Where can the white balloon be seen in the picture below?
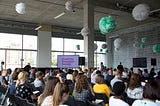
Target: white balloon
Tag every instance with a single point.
(85, 31)
(141, 12)
(95, 46)
(117, 43)
(21, 8)
(69, 6)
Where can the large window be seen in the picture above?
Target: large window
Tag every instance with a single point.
(65, 46)
(12, 46)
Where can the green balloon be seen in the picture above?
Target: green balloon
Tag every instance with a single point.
(142, 46)
(156, 48)
(78, 47)
(144, 40)
(101, 50)
(107, 24)
(107, 51)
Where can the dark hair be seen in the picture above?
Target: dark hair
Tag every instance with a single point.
(152, 90)
(145, 70)
(14, 75)
(48, 89)
(100, 79)
(119, 88)
(39, 74)
(135, 81)
(9, 71)
(98, 72)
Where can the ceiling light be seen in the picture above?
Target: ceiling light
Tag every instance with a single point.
(60, 15)
(37, 28)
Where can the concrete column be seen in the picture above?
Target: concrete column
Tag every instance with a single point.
(109, 56)
(88, 21)
(44, 49)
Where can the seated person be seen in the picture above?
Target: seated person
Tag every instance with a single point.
(101, 87)
(119, 91)
(83, 91)
(38, 82)
(23, 90)
(151, 93)
(135, 89)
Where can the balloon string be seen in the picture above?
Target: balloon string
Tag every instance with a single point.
(155, 10)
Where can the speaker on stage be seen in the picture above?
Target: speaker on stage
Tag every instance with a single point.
(153, 62)
(81, 60)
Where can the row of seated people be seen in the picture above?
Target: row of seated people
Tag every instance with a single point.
(57, 89)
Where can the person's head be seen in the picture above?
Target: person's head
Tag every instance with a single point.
(2, 63)
(48, 89)
(81, 83)
(119, 88)
(4, 72)
(151, 90)
(139, 72)
(39, 75)
(98, 72)
(135, 81)
(110, 72)
(152, 70)
(14, 76)
(60, 94)
(100, 79)
(118, 73)
(145, 71)
(9, 71)
(23, 77)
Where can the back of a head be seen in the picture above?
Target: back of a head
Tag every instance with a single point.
(59, 91)
(100, 79)
(119, 88)
(135, 81)
(118, 72)
(39, 74)
(152, 90)
(23, 76)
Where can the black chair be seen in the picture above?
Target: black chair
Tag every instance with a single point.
(81, 103)
(71, 101)
(3, 95)
(102, 96)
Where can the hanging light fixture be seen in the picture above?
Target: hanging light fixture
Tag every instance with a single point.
(20, 8)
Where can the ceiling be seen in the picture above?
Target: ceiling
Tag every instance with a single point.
(44, 11)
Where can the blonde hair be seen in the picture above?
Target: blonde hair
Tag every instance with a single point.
(59, 90)
(22, 77)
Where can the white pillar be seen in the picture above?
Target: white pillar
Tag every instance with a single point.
(88, 21)
(44, 49)
(109, 56)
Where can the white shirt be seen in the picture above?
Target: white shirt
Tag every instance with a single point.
(136, 93)
(144, 103)
(38, 83)
(48, 101)
(117, 102)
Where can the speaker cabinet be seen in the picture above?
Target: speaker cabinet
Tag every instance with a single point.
(153, 62)
(81, 60)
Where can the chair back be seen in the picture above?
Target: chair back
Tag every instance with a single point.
(102, 96)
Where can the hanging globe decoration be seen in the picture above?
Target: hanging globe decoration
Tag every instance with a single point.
(156, 48)
(20, 8)
(69, 6)
(142, 46)
(78, 47)
(107, 51)
(144, 40)
(107, 24)
(141, 12)
(85, 31)
(104, 46)
(117, 43)
(95, 46)
(101, 50)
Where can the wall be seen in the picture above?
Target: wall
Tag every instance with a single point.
(127, 51)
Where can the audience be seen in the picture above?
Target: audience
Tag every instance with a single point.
(135, 89)
(119, 91)
(151, 93)
(46, 98)
(60, 94)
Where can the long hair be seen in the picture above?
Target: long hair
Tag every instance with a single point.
(22, 77)
(59, 90)
(48, 89)
(81, 83)
(135, 81)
